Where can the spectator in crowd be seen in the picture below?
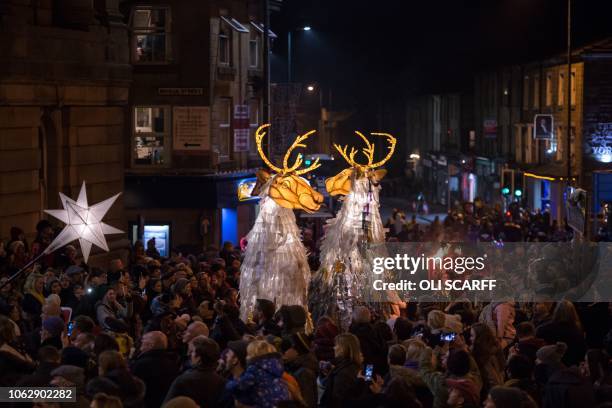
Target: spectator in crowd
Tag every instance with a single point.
(339, 378)
(201, 383)
(261, 384)
(156, 367)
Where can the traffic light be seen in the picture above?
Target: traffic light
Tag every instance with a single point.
(518, 193)
(505, 191)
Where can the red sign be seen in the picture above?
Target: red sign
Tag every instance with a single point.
(490, 128)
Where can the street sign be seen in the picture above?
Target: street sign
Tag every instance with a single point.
(543, 127)
(191, 133)
(490, 128)
(241, 128)
(180, 91)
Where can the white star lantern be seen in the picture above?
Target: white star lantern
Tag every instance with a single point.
(83, 223)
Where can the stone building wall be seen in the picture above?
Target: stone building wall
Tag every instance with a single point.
(64, 84)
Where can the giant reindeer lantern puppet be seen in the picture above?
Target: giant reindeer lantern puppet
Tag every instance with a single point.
(355, 234)
(275, 265)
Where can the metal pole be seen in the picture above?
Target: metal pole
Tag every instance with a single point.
(289, 57)
(266, 69)
(569, 90)
(19, 272)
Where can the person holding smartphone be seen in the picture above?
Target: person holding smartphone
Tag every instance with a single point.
(342, 376)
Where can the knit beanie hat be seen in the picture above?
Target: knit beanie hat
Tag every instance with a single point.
(239, 347)
(552, 354)
(70, 373)
(53, 325)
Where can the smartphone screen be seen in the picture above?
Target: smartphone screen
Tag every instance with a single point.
(369, 372)
(447, 336)
(70, 327)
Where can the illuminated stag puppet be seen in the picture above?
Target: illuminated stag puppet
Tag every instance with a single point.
(340, 283)
(275, 265)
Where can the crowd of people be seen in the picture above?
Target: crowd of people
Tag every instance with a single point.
(477, 222)
(154, 331)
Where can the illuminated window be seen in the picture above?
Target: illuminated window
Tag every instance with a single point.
(151, 35)
(151, 134)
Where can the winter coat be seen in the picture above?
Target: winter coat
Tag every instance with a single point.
(571, 335)
(104, 311)
(436, 380)
(373, 346)
(261, 384)
(202, 384)
(157, 369)
(39, 378)
(323, 342)
(304, 368)
(121, 383)
(500, 319)
(568, 389)
(12, 366)
(339, 383)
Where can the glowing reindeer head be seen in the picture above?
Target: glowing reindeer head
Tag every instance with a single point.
(288, 189)
(340, 184)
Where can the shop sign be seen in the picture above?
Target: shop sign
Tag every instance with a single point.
(599, 143)
(490, 128)
(180, 91)
(245, 188)
(190, 129)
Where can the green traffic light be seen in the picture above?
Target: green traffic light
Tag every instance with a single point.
(518, 193)
(307, 162)
(505, 191)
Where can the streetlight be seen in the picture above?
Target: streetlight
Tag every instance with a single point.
(305, 28)
(310, 88)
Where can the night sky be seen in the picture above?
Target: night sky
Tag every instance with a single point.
(381, 50)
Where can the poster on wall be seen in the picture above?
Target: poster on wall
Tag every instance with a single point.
(190, 129)
(543, 126)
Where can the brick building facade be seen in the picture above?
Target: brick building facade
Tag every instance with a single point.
(64, 84)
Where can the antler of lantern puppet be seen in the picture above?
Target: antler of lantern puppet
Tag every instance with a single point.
(367, 151)
(259, 135)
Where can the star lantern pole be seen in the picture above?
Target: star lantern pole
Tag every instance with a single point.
(83, 222)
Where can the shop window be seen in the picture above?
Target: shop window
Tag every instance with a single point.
(225, 115)
(151, 35)
(151, 133)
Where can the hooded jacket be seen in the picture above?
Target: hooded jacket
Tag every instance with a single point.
(261, 384)
(304, 368)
